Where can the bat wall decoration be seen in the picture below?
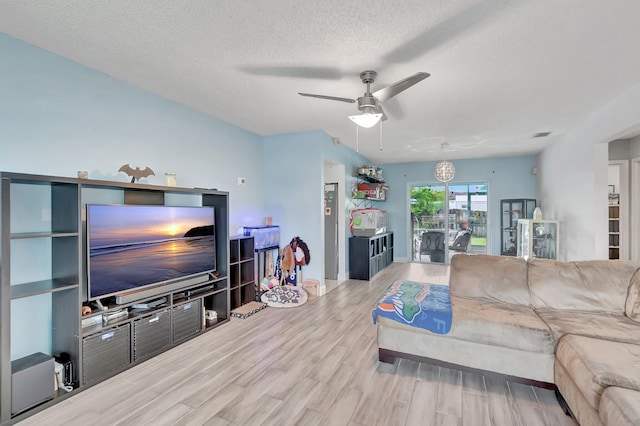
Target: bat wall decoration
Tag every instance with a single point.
(136, 173)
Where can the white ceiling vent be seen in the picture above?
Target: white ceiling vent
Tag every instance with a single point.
(541, 134)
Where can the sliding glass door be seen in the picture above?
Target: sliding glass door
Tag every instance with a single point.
(447, 219)
(428, 208)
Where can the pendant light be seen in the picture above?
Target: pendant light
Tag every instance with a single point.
(444, 171)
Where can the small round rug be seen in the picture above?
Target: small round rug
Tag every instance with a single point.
(285, 296)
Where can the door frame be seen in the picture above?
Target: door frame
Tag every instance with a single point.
(623, 190)
(410, 226)
(335, 172)
(634, 192)
(410, 241)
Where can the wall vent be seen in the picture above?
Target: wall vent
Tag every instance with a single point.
(541, 134)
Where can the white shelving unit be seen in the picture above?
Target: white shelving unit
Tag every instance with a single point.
(538, 238)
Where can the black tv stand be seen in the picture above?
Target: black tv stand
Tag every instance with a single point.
(61, 283)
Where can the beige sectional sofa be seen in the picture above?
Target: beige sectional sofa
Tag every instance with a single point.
(570, 325)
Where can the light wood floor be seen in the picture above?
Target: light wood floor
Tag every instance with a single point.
(312, 365)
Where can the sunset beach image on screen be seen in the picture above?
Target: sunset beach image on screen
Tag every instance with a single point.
(136, 246)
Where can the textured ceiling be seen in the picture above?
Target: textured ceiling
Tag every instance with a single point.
(501, 71)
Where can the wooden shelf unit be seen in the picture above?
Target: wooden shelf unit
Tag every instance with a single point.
(369, 255)
(43, 280)
(614, 231)
(242, 276)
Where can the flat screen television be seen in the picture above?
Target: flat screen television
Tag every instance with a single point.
(132, 247)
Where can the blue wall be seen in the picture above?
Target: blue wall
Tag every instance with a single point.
(506, 178)
(58, 117)
(294, 188)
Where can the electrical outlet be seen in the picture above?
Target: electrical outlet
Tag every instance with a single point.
(241, 181)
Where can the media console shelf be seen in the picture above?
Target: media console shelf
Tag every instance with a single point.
(242, 274)
(43, 283)
(369, 255)
(614, 231)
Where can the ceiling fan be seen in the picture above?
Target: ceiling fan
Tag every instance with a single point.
(370, 103)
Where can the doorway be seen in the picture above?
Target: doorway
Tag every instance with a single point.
(447, 219)
(331, 248)
(635, 207)
(334, 173)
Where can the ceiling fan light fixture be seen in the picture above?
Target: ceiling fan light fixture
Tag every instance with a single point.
(370, 103)
(366, 120)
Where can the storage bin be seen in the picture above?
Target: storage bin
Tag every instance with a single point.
(187, 319)
(264, 236)
(105, 353)
(151, 334)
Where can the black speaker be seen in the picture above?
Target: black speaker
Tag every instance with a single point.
(32, 381)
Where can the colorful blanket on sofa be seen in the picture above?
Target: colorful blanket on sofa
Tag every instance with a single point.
(421, 305)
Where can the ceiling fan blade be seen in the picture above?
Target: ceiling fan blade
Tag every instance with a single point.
(466, 21)
(399, 86)
(331, 98)
(393, 108)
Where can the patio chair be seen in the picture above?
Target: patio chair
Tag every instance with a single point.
(461, 243)
(432, 244)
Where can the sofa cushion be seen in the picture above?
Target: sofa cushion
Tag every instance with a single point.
(594, 285)
(584, 413)
(595, 364)
(632, 305)
(601, 325)
(620, 407)
(402, 338)
(498, 324)
(491, 278)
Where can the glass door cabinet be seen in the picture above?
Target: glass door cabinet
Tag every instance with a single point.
(538, 238)
(511, 211)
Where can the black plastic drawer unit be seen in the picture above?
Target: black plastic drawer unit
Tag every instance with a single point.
(187, 320)
(151, 334)
(105, 353)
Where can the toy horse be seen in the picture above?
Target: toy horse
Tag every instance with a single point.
(287, 263)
